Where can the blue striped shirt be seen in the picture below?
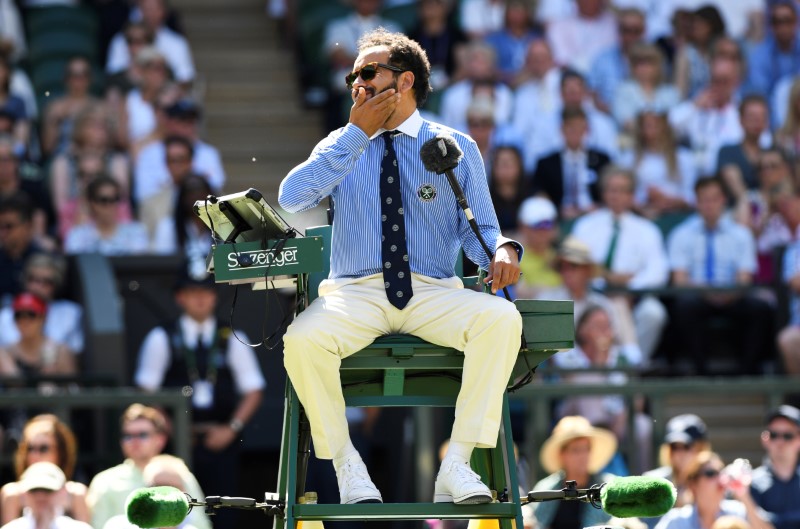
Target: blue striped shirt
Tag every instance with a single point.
(346, 165)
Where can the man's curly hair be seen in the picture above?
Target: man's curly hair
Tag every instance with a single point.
(404, 53)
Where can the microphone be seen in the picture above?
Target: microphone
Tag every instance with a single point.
(153, 507)
(638, 497)
(441, 155)
(625, 497)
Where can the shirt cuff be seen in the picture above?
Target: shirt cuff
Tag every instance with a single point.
(505, 240)
(354, 139)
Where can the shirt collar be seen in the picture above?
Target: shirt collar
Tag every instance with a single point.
(410, 126)
(192, 329)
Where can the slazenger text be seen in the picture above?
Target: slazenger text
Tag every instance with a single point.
(264, 258)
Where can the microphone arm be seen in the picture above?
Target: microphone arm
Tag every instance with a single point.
(462, 201)
(570, 492)
(272, 504)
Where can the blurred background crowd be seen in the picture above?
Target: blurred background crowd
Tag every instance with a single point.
(645, 152)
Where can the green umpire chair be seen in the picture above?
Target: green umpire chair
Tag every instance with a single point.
(401, 370)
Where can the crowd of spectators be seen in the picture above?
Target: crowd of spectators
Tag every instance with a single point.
(109, 162)
(632, 145)
(565, 97)
(98, 165)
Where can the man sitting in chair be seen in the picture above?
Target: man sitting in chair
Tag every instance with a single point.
(396, 236)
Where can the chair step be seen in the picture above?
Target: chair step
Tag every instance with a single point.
(404, 511)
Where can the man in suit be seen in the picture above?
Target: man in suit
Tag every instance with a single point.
(569, 177)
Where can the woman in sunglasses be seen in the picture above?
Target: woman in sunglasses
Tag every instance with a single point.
(105, 233)
(45, 438)
(44, 275)
(34, 354)
(709, 482)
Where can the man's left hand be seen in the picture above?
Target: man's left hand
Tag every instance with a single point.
(218, 437)
(504, 268)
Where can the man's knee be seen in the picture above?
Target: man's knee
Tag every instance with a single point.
(505, 314)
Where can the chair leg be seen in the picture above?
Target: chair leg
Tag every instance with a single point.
(505, 442)
(498, 468)
(303, 454)
(287, 472)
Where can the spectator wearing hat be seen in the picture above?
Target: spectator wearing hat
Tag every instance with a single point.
(104, 233)
(34, 354)
(43, 485)
(144, 432)
(538, 232)
(709, 484)
(577, 270)
(45, 438)
(686, 436)
(775, 485)
(575, 451)
(152, 174)
(630, 250)
(596, 347)
(43, 276)
(199, 351)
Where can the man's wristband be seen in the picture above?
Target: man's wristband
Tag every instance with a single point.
(236, 425)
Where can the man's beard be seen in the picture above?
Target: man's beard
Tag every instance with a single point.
(371, 90)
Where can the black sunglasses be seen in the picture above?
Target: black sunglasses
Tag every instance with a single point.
(39, 449)
(368, 72)
(786, 436)
(135, 435)
(105, 200)
(25, 314)
(709, 473)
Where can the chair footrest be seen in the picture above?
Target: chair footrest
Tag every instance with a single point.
(404, 511)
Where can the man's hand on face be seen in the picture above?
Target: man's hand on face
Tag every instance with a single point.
(370, 113)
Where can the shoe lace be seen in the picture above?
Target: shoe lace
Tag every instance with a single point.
(464, 473)
(354, 474)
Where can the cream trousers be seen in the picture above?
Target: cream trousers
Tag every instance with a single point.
(350, 313)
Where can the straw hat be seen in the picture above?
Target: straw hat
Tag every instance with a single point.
(604, 444)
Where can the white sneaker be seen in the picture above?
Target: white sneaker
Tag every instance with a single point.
(354, 483)
(457, 483)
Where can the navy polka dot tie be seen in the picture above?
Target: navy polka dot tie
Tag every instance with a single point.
(396, 270)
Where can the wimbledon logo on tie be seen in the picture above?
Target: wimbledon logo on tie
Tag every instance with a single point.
(262, 259)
